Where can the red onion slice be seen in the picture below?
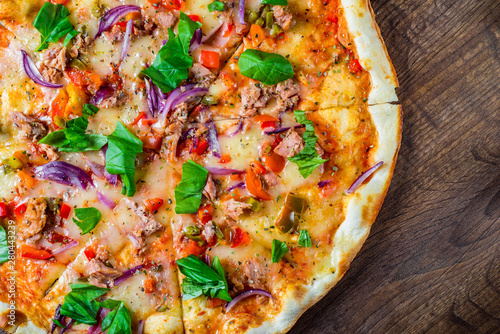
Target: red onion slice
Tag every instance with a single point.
(105, 200)
(99, 96)
(68, 326)
(173, 95)
(213, 141)
(237, 185)
(323, 183)
(285, 129)
(113, 15)
(246, 294)
(140, 327)
(64, 173)
(126, 39)
(196, 40)
(241, 12)
(363, 177)
(211, 33)
(126, 274)
(64, 248)
(96, 168)
(223, 171)
(152, 97)
(238, 129)
(34, 74)
(58, 317)
(187, 96)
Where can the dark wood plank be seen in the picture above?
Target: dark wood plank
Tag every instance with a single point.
(432, 262)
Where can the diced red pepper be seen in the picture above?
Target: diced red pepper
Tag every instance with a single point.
(56, 238)
(354, 65)
(195, 18)
(65, 211)
(34, 253)
(205, 213)
(58, 2)
(152, 141)
(240, 238)
(227, 32)
(268, 124)
(214, 302)
(210, 59)
(20, 210)
(153, 204)
(122, 24)
(171, 4)
(90, 253)
(332, 17)
(225, 158)
(257, 167)
(141, 115)
(4, 210)
(149, 285)
(201, 148)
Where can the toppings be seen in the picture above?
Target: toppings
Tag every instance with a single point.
(240, 238)
(289, 216)
(64, 173)
(100, 274)
(79, 304)
(234, 209)
(153, 204)
(304, 239)
(212, 139)
(34, 253)
(127, 274)
(171, 64)
(224, 171)
(196, 40)
(279, 249)
(246, 294)
(363, 177)
(273, 161)
(113, 15)
(188, 192)
(254, 185)
(216, 6)
(147, 225)
(275, 2)
(126, 39)
(282, 18)
(105, 200)
(118, 321)
(34, 218)
(241, 12)
(52, 22)
(210, 59)
(30, 127)
(268, 68)
(210, 190)
(86, 219)
(290, 145)
(33, 73)
(202, 279)
(123, 148)
(308, 158)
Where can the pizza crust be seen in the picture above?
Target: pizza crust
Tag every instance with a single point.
(372, 53)
(361, 211)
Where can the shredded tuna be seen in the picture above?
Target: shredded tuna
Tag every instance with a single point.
(282, 17)
(202, 75)
(29, 127)
(100, 274)
(34, 219)
(287, 97)
(147, 224)
(114, 34)
(80, 46)
(270, 179)
(249, 96)
(54, 63)
(234, 209)
(210, 190)
(165, 20)
(249, 276)
(290, 145)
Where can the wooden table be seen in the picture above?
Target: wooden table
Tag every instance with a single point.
(432, 261)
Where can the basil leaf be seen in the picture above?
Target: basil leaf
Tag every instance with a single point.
(279, 249)
(171, 64)
(4, 248)
(117, 321)
(123, 148)
(201, 279)
(188, 192)
(216, 6)
(88, 219)
(268, 68)
(304, 239)
(80, 305)
(74, 137)
(308, 159)
(275, 2)
(52, 22)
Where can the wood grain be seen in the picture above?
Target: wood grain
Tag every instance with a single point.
(432, 262)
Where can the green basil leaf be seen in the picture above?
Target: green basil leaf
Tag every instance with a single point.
(88, 218)
(123, 148)
(268, 68)
(4, 247)
(74, 137)
(189, 191)
(171, 64)
(279, 249)
(202, 280)
(308, 159)
(216, 6)
(304, 239)
(275, 2)
(52, 22)
(117, 321)
(80, 304)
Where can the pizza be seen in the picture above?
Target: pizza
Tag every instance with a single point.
(196, 166)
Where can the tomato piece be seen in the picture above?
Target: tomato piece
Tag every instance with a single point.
(230, 28)
(205, 213)
(58, 2)
(257, 167)
(269, 124)
(189, 247)
(84, 79)
(265, 118)
(273, 161)
(332, 17)
(26, 179)
(58, 105)
(354, 65)
(34, 253)
(227, 80)
(149, 285)
(56, 238)
(20, 210)
(241, 238)
(90, 253)
(153, 204)
(195, 18)
(141, 115)
(4, 210)
(65, 210)
(225, 158)
(254, 186)
(210, 59)
(122, 24)
(152, 141)
(214, 302)
(172, 4)
(201, 148)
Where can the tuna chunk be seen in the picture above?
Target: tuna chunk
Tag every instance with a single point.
(54, 63)
(114, 34)
(282, 18)
(210, 190)
(249, 96)
(270, 179)
(147, 225)
(34, 219)
(80, 46)
(291, 144)
(234, 209)
(100, 274)
(250, 276)
(29, 127)
(165, 20)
